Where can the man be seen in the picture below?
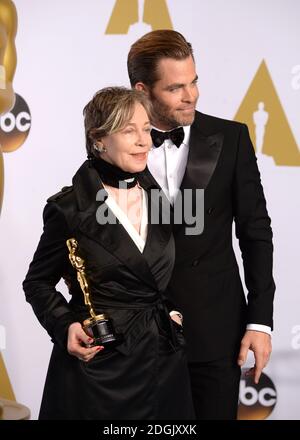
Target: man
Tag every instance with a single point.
(216, 155)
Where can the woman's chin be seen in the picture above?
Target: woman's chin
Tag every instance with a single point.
(141, 168)
(137, 167)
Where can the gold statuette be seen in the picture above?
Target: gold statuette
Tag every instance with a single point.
(99, 327)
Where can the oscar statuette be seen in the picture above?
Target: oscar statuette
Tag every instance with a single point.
(99, 327)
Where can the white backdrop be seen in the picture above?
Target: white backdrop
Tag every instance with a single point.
(64, 57)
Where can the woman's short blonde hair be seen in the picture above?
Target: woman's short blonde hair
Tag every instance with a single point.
(109, 111)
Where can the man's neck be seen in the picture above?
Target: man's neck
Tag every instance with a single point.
(159, 128)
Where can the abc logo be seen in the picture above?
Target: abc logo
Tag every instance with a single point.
(15, 126)
(256, 402)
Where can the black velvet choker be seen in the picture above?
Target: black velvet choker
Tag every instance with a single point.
(114, 176)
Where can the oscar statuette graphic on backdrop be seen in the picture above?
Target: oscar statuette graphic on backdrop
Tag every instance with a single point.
(9, 408)
(269, 128)
(138, 17)
(275, 145)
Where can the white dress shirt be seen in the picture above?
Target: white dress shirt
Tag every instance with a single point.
(167, 164)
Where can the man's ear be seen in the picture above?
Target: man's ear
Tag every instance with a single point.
(141, 87)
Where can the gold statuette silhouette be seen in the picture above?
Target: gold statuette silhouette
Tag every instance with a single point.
(99, 327)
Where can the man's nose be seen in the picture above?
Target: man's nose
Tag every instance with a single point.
(190, 94)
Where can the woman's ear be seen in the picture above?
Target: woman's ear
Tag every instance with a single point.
(99, 146)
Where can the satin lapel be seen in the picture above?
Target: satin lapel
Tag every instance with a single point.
(204, 153)
(158, 234)
(113, 237)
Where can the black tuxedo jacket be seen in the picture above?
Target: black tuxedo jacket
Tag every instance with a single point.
(206, 284)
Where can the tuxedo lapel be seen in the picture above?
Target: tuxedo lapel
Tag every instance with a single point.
(204, 153)
(203, 156)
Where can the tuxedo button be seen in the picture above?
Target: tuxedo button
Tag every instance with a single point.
(210, 211)
(195, 263)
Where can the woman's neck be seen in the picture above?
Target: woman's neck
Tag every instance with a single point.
(114, 176)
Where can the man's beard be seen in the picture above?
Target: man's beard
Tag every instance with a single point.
(162, 116)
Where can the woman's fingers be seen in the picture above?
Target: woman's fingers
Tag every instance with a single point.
(77, 338)
(86, 354)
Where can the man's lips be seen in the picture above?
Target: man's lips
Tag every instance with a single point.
(187, 109)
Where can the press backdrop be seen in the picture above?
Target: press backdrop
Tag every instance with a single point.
(248, 62)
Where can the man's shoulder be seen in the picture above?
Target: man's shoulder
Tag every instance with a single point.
(209, 123)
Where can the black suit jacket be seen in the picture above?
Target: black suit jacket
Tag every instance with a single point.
(206, 284)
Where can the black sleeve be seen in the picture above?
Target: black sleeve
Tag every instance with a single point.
(169, 302)
(46, 269)
(253, 230)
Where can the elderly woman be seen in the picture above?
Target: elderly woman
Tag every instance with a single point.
(127, 264)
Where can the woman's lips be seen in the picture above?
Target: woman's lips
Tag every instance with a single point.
(140, 156)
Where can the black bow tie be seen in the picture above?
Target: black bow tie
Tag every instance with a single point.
(176, 136)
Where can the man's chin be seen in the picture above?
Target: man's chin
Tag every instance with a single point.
(174, 120)
(188, 120)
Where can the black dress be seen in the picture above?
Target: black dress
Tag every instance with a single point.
(145, 377)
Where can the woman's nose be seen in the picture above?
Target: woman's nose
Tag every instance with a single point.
(143, 138)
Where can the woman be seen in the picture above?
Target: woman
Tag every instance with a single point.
(128, 263)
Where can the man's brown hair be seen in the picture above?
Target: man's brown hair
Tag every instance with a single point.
(146, 52)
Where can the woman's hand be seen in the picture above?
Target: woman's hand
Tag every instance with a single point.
(177, 318)
(77, 337)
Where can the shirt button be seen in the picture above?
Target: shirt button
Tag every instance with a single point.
(210, 211)
(169, 146)
(195, 263)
